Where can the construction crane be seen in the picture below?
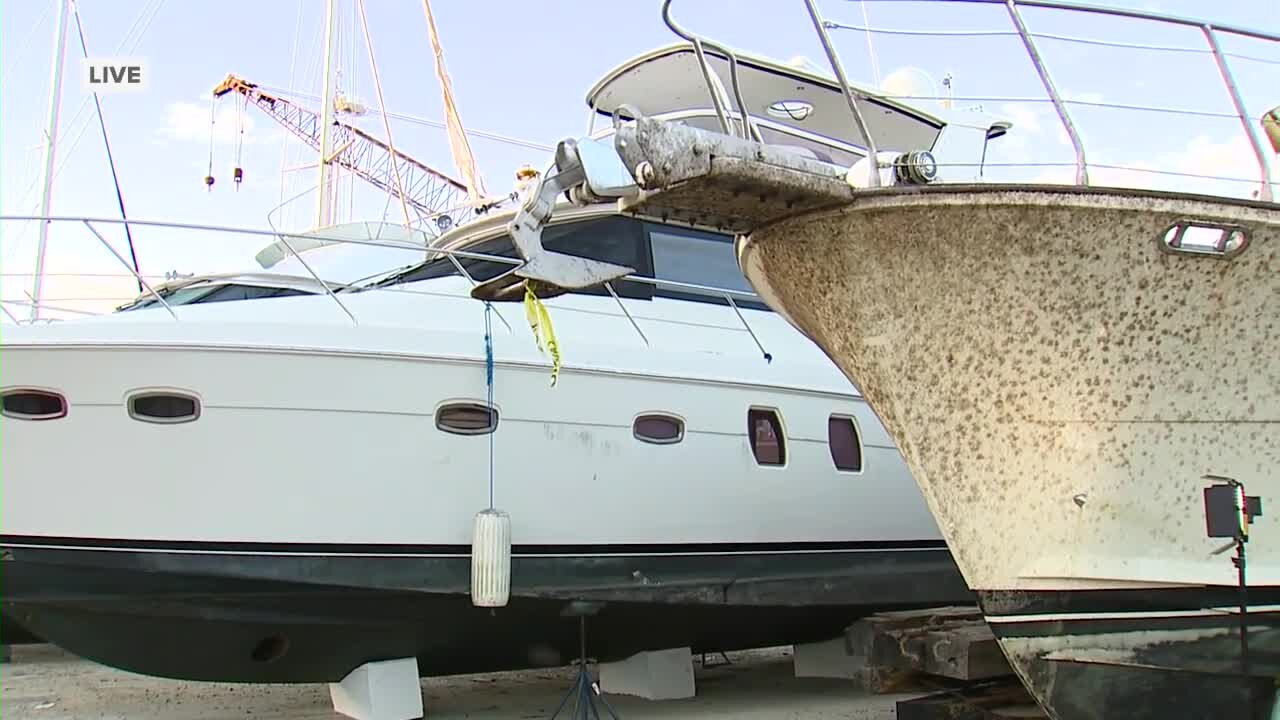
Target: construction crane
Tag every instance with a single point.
(428, 191)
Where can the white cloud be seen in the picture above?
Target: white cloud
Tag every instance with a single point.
(189, 122)
(1200, 164)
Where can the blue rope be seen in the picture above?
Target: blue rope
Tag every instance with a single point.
(488, 378)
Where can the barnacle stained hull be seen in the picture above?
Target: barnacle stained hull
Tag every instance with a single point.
(1059, 383)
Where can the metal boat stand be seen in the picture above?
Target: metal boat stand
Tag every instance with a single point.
(584, 690)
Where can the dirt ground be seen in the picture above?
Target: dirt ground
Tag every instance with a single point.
(44, 683)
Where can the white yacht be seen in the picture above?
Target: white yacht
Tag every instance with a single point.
(288, 485)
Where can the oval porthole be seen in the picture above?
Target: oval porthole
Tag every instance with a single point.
(28, 404)
(796, 110)
(658, 429)
(467, 419)
(163, 407)
(843, 441)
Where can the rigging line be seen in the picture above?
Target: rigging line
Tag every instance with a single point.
(65, 155)
(426, 121)
(111, 163)
(22, 52)
(488, 379)
(871, 47)
(382, 106)
(293, 65)
(120, 50)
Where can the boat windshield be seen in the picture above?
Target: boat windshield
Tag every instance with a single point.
(211, 292)
(671, 253)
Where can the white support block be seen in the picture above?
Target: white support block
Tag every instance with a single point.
(383, 690)
(656, 675)
(826, 659)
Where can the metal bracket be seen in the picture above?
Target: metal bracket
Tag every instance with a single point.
(552, 273)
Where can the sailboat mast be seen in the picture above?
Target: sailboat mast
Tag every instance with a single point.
(327, 117)
(50, 148)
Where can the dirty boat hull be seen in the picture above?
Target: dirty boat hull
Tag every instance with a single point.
(1141, 653)
(285, 614)
(1059, 384)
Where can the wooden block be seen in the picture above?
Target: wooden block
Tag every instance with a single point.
(1001, 699)
(951, 642)
(964, 653)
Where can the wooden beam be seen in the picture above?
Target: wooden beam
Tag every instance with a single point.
(948, 642)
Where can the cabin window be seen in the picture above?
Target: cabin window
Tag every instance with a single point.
(207, 293)
(247, 292)
(697, 258)
(764, 431)
(613, 239)
(659, 429)
(467, 418)
(845, 445)
(163, 407)
(24, 404)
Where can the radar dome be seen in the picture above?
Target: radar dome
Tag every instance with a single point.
(910, 81)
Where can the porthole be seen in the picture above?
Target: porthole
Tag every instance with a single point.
(164, 407)
(764, 432)
(467, 419)
(31, 404)
(658, 429)
(844, 443)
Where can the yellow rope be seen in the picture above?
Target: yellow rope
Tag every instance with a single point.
(540, 322)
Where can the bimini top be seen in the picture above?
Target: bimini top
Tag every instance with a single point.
(668, 80)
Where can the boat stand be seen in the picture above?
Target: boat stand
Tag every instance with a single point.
(584, 690)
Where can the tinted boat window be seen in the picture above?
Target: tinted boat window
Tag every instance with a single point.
(613, 239)
(245, 292)
(697, 258)
(180, 296)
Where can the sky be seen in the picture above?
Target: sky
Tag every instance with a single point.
(522, 70)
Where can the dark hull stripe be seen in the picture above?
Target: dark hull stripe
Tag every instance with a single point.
(1052, 605)
(343, 549)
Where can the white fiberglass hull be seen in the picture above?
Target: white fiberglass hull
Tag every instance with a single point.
(314, 504)
(1059, 384)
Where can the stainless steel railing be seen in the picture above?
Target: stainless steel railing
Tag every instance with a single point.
(92, 224)
(1212, 33)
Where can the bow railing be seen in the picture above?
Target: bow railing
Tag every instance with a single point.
(1194, 60)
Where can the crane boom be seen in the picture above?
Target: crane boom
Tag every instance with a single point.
(429, 191)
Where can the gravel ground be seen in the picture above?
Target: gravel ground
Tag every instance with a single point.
(44, 683)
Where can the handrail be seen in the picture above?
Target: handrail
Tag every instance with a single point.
(328, 290)
(729, 295)
(873, 174)
(749, 128)
(1082, 169)
(142, 282)
(1210, 30)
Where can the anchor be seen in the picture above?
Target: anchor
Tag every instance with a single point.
(587, 171)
